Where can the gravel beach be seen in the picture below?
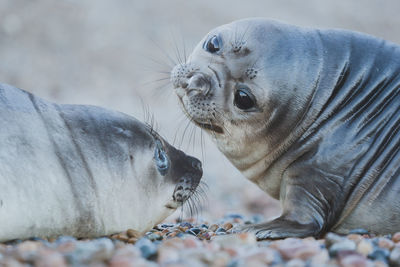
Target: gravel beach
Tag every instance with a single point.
(201, 243)
(117, 54)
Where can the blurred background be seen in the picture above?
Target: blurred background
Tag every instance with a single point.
(118, 54)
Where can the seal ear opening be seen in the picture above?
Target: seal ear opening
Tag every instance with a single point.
(161, 159)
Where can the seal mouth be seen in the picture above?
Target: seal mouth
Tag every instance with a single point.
(206, 126)
(173, 205)
(211, 127)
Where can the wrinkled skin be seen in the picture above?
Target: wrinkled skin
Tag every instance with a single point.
(311, 116)
(84, 171)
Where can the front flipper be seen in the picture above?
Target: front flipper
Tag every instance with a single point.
(282, 228)
(309, 209)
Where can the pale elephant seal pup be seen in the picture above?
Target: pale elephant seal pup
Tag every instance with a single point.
(83, 170)
(311, 116)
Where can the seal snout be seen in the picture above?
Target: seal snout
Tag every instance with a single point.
(184, 189)
(187, 185)
(197, 84)
(190, 80)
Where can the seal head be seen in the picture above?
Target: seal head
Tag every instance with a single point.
(84, 171)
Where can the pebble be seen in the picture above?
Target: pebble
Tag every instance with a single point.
(195, 230)
(189, 243)
(365, 247)
(344, 245)
(396, 237)
(359, 231)
(320, 259)
(220, 229)
(49, 258)
(190, 232)
(92, 251)
(186, 224)
(385, 243)
(291, 248)
(133, 233)
(379, 254)
(227, 226)
(26, 251)
(213, 227)
(295, 263)
(394, 257)
(155, 236)
(167, 225)
(351, 260)
(147, 248)
(355, 237)
(235, 239)
(331, 239)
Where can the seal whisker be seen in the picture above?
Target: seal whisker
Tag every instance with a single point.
(149, 119)
(177, 52)
(194, 203)
(192, 136)
(213, 133)
(189, 207)
(155, 81)
(164, 52)
(202, 145)
(184, 49)
(201, 197)
(242, 39)
(224, 117)
(181, 121)
(184, 132)
(159, 63)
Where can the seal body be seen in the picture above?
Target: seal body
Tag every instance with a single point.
(311, 116)
(84, 170)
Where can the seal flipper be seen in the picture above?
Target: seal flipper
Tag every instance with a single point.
(282, 228)
(309, 206)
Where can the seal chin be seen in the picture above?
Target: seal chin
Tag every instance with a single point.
(210, 127)
(173, 205)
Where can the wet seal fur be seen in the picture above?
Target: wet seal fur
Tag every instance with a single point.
(84, 171)
(312, 116)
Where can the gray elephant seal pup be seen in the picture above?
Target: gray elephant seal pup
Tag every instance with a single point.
(311, 116)
(84, 170)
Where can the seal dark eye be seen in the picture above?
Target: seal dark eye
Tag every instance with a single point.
(212, 45)
(243, 99)
(161, 159)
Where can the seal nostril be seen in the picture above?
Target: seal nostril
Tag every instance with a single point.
(196, 165)
(184, 85)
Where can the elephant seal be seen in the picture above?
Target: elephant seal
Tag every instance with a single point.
(84, 171)
(312, 116)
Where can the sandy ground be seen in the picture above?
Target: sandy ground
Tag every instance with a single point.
(117, 54)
